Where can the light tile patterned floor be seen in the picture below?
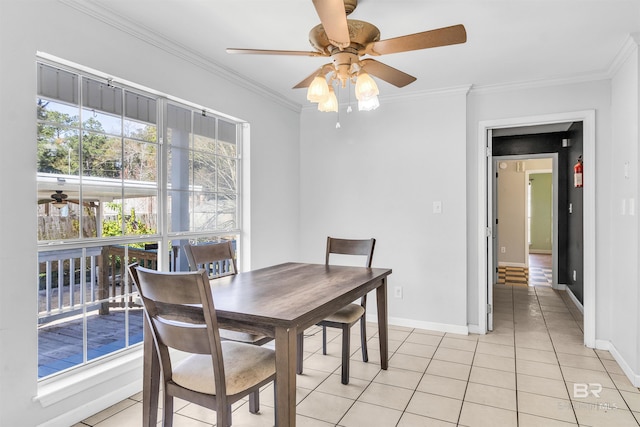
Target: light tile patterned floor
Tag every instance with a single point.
(522, 374)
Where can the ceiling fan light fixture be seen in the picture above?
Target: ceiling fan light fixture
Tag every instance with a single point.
(331, 103)
(318, 89)
(366, 87)
(60, 204)
(368, 104)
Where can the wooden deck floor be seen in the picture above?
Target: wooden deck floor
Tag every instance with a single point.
(60, 344)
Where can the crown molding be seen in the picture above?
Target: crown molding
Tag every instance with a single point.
(541, 83)
(630, 45)
(185, 53)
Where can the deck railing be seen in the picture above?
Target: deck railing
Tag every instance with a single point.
(61, 282)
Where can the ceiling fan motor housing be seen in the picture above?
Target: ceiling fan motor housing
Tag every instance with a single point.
(361, 33)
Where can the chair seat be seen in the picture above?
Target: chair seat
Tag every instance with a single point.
(347, 314)
(245, 365)
(238, 336)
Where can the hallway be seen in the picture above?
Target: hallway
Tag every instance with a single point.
(556, 376)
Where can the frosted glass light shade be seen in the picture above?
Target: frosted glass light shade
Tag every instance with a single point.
(329, 104)
(366, 87)
(318, 90)
(368, 104)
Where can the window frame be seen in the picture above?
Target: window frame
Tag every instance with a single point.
(162, 235)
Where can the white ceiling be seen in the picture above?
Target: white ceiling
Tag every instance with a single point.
(508, 41)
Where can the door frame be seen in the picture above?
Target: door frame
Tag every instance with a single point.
(485, 245)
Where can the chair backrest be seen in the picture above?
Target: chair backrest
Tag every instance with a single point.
(179, 309)
(363, 247)
(217, 259)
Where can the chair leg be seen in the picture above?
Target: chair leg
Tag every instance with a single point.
(324, 340)
(167, 411)
(346, 343)
(254, 402)
(223, 415)
(299, 353)
(363, 339)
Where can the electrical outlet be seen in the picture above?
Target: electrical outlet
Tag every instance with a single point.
(397, 292)
(574, 275)
(503, 250)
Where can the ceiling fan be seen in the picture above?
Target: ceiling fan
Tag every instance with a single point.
(346, 41)
(59, 199)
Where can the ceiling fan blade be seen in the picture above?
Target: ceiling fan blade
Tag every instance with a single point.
(326, 68)
(441, 37)
(306, 82)
(334, 20)
(385, 72)
(275, 52)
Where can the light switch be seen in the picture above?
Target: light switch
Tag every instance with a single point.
(437, 207)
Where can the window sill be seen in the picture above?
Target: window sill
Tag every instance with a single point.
(64, 386)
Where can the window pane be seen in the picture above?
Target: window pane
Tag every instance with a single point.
(58, 140)
(204, 167)
(178, 126)
(96, 121)
(140, 214)
(179, 168)
(140, 162)
(101, 155)
(205, 210)
(179, 210)
(227, 132)
(227, 174)
(227, 214)
(101, 96)
(228, 150)
(105, 332)
(140, 108)
(57, 84)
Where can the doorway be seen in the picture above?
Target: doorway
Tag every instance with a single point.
(526, 218)
(487, 240)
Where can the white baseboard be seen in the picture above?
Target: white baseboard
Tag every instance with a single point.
(512, 264)
(432, 326)
(573, 298)
(475, 329)
(634, 377)
(541, 251)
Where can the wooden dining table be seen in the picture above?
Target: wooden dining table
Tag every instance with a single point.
(280, 301)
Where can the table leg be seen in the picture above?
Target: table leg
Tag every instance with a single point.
(286, 343)
(381, 299)
(150, 380)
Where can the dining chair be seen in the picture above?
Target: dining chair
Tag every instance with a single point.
(218, 260)
(349, 315)
(179, 309)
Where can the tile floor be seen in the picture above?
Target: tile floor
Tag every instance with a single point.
(522, 374)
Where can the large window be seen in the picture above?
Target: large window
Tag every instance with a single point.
(123, 176)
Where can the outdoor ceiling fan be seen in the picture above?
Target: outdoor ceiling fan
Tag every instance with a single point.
(59, 199)
(346, 41)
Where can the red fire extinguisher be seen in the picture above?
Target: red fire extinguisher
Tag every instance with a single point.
(577, 173)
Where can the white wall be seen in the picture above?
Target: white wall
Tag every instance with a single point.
(528, 101)
(28, 26)
(511, 215)
(378, 176)
(625, 296)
